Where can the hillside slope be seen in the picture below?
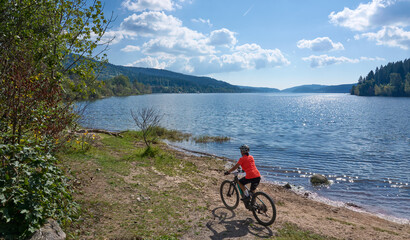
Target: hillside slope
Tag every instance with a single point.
(165, 81)
(315, 88)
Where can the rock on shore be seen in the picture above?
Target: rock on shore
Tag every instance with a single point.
(318, 179)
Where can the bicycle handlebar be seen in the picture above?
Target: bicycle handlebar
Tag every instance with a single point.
(239, 170)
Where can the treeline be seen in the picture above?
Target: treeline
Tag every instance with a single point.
(164, 81)
(390, 80)
(117, 86)
(165, 84)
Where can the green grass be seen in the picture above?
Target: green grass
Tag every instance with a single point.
(113, 159)
(208, 139)
(123, 144)
(387, 231)
(172, 135)
(292, 232)
(340, 221)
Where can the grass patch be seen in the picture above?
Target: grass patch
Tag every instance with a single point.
(172, 135)
(292, 232)
(123, 144)
(125, 190)
(386, 231)
(208, 139)
(280, 203)
(340, 221)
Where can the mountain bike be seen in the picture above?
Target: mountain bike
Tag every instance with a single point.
(261, 204)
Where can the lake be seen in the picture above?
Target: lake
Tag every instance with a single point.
(362, 144)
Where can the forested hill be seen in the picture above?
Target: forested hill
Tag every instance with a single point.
(163, 81)
(390, 80)
(315, 88)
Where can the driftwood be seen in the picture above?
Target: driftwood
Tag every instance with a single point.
(116, 134)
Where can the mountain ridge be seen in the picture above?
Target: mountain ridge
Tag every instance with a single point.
(165, 81)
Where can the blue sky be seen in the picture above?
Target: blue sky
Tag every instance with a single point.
(263, 43)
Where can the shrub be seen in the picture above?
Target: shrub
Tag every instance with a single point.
(32, 189)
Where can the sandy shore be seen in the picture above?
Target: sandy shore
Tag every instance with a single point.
(300, 210)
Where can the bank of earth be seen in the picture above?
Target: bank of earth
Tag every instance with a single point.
(128, 192)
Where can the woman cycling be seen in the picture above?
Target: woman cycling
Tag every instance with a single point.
(252, 174)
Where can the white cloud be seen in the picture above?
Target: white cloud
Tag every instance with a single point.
(372, 59)
(389, 36)
(110, 37)
(247, 56)
(222, 37)
(149, 62)
(325, 60)
(376, 13)
(150, 24)
(320, 44)
(178, 46)
(130, 48)
(154, 5)
(167, 35)
(252, 56)
(167, 44)
(357, 19)
(200, 20)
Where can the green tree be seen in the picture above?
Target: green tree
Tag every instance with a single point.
(407, 85)
(378, 91)
(396, 83)
(47, 48)
(41, 44)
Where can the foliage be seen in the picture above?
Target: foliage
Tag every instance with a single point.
(116, 86)
(122, 86)
(173, 135)
(147, 120)
(36, 37)
(46, 49)
(390, 80)
(32, 188)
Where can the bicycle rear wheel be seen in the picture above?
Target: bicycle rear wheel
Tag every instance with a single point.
(229, 195)
(263, 208)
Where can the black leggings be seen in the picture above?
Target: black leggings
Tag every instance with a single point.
(253, 181)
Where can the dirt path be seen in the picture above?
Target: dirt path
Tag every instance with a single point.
(319, 218)
(294, 210)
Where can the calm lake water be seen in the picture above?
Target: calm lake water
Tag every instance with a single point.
(361, 143)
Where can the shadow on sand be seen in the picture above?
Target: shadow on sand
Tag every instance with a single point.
(226, 225)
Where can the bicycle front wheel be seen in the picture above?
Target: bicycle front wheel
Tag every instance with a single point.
(229, 195)
(263, 208)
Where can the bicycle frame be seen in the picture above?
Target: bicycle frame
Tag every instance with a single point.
(236, 180)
